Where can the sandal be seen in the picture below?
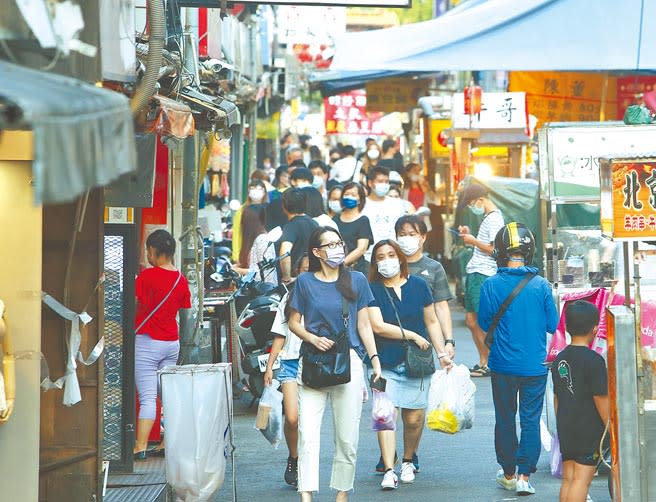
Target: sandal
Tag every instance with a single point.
(156, 452)
(480, 371)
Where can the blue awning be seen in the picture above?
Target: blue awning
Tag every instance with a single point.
(335, 82)
(563, 35)
(83, 135)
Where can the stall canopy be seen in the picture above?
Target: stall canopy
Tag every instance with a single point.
(511, 35)
(336, 82)
(83, 135)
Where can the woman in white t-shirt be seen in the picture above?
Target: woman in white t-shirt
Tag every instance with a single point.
(287, 345)
(315, 208)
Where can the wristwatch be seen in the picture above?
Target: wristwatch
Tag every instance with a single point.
(451, 341)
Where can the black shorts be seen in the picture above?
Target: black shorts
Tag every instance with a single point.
(583, 458)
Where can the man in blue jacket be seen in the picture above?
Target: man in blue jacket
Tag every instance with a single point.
(517, 353)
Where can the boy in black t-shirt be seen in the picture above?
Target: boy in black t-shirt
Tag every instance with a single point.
(581, 401)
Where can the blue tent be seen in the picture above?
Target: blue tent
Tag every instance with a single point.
(560, 35)
(336, 82)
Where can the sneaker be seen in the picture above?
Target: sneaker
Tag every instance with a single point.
(380, 466)
(291, 472)
(524, 487)
(407, 472)
(390, 480)
(415, 461)
(505, 483)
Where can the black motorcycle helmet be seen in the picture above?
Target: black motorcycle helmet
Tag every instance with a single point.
(513, 238)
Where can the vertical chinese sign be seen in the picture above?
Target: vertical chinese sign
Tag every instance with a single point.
(347, 114)
(628, 201)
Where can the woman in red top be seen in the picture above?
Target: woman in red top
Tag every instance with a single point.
(417, 185)
(161, 292)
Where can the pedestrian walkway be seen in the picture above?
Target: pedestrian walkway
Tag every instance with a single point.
(459, 468)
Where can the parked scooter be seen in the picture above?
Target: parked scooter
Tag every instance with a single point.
(257, 303)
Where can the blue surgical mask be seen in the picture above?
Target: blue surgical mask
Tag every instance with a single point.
(381, 189)
(478, 211)
(349, 202)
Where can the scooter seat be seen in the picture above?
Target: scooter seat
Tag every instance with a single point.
(262, 301)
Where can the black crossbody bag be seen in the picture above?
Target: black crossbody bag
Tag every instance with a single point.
(329, 367)
(418, 363)
(489, 336)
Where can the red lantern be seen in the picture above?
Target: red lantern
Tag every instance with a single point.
(473, 98)
(442, 139)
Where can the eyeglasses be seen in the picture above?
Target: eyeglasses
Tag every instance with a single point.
(332, 245)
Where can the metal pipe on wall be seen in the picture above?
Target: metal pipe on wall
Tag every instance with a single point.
(191, 253)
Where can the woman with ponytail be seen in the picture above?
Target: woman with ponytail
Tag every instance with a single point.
(316, 313)
(161, 292)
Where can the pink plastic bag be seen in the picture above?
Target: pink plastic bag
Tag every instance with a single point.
(647, 319)
(600, 298)
(556, 457)
(383, 413)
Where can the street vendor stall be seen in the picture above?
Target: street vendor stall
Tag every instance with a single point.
(628, 215)
(584, 260)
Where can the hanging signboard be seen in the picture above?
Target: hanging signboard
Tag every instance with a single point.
(629, 90)
(628, 198)
(347, 114)
(564, 96)
(499, 110)
(345, 3)
(570, 152)
(395, 94)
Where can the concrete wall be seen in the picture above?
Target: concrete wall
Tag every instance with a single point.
(20, 287)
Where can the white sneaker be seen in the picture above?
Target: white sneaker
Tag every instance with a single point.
(390, 481)
(524, 487)
(505, 483)
(407, 472)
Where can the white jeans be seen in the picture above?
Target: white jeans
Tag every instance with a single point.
(346, 402)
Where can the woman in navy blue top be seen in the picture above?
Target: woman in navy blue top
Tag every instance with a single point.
(316, 312)
(414, 302)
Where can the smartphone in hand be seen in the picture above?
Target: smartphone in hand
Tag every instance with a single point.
(379, 384)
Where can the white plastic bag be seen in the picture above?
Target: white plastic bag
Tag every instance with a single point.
(451, 400)
(269, 414)
(196, 402)
(383, 413)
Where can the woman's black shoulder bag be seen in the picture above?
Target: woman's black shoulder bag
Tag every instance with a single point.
(418, 363)
(330, 367)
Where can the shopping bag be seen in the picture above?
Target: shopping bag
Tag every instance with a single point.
(269, 414)
(556, 457)
(383, 413)
(451, 400)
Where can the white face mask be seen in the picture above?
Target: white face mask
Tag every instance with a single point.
(373, 154)
(335, 206)
(409, 244)
(317, 182)
(381, 189)
(256, 194)
(389, 267)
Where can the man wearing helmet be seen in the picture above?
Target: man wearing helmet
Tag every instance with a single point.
(517, 310)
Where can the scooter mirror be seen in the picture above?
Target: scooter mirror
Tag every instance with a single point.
(234, 205)
(274, 234)
(422, 211)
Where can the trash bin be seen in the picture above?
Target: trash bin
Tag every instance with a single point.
(197, 406)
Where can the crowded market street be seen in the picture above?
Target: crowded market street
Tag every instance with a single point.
(458, 468)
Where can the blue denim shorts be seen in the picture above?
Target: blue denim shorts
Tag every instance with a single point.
(288, 370)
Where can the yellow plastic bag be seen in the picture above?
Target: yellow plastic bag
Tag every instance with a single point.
(442, 420)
